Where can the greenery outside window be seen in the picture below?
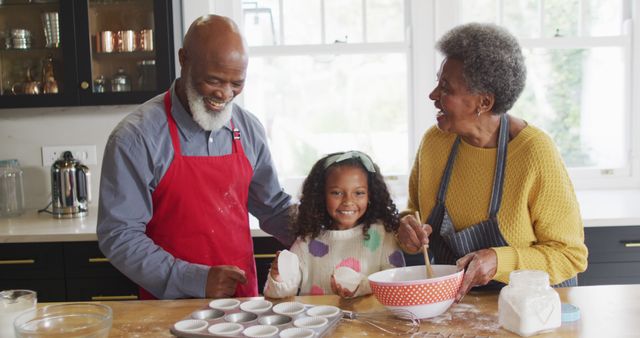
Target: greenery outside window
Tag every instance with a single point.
(579, 80)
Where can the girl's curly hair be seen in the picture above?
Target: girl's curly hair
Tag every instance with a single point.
(312, 217)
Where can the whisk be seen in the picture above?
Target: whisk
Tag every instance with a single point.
(396, 322)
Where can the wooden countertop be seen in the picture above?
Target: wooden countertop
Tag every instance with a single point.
(606, 311)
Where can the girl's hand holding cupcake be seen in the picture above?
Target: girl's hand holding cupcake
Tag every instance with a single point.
(273, 270)
(342, 291)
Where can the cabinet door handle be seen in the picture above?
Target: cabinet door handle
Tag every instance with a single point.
(631, 244)
(98, 260)
(17, 261)
(125, 297)
(264, 255)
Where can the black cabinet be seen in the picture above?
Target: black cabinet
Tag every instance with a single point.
(614, 255)
(63, 271)
(37, 266)
(84, 52)
(90, 276)
(78, 271)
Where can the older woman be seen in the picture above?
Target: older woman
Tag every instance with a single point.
(493, 188)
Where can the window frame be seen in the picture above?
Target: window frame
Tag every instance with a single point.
(585, 178)
(416, 127)
(426, 20)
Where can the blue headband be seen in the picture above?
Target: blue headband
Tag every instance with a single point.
(362, 157)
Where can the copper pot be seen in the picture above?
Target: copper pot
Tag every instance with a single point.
(126, 41)
(105, 42)
(28, 87)
(145, 40)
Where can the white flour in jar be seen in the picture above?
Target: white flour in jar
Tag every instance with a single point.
(528, 305)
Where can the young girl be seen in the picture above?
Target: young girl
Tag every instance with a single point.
(346, 218)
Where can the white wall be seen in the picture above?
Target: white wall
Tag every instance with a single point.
(24, 131)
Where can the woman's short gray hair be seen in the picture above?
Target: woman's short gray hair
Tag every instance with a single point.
(492, 59)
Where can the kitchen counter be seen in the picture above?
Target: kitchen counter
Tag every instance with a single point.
(606, 311)
(33, 227)
(598, 208)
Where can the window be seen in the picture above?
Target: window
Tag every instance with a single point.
(578, 56)
(329, 75)
(332, 75)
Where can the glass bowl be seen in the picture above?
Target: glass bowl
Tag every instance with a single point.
(73, 320)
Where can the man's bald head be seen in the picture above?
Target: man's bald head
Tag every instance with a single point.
(214, 63)
(216, 37)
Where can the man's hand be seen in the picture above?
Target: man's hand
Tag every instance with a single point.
(222, 281)
(481, 266)
(412, 235)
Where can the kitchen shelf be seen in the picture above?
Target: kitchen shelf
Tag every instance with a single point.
(76, 63)
(30, 50)
(134, 54)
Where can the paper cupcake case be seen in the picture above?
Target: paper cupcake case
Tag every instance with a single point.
(258, 318)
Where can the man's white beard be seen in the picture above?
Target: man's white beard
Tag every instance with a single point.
(206, 119)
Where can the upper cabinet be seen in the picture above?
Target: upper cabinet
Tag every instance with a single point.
(79, 52)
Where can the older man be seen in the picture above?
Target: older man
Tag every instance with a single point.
(181, 173)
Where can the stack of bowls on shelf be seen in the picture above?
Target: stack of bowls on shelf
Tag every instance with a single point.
(51, 29)
(21, 38)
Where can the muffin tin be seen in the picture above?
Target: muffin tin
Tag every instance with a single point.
(230, 317)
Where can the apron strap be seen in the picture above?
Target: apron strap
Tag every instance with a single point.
(498, 178)
(501, 163)
(173, 129)
(435, 217)
(444, 183)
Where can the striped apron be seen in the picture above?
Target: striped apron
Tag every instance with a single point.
(447, 245)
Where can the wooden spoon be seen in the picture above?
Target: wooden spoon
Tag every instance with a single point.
(425, 252)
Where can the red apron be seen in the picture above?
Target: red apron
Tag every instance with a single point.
(200, 210)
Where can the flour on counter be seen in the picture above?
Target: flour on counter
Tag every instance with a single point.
(445, 317)
(138, 330)
(444, 335)
(464, 308)
(468, 313)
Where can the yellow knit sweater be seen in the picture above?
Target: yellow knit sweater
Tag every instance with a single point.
(539, 215)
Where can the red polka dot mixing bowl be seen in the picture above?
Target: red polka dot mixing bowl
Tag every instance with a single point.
(408, 288)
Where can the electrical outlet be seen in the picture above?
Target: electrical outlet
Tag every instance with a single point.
(83, 154)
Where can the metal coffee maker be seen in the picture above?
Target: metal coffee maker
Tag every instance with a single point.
(70, 187)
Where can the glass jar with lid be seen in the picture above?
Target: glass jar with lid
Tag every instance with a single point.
(100, 84)
(121, 82)
(11, 190)
(147, 75)
(528, 305)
